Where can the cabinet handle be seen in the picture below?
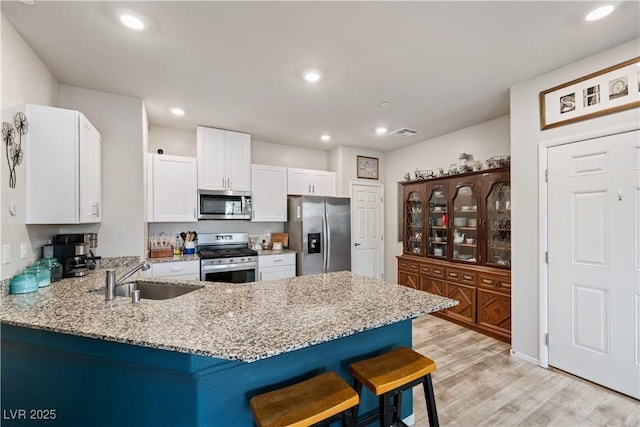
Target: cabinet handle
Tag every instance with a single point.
(309, 188)
(278, 260)
(314, 188)
(261, 276)
(496, 309)
(229, 183)
(223, 182)
(97, 209)
(194, 213)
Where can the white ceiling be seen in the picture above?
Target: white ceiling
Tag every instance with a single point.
(442, 66)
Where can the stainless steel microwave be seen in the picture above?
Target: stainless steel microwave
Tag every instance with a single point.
(224, 205)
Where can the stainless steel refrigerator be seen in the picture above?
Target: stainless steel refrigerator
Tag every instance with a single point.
(320, 231)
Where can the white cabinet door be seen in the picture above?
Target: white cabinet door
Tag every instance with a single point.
(310, 182)
(224, 160)
(323, 183)
(239, 161)
(90, 172)
(268, 193)
(280, 266)
(298, 182)
(63, 169)
(173, 188)
(212, 167)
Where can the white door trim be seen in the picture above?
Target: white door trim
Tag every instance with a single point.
(382, 223)
(543, 271)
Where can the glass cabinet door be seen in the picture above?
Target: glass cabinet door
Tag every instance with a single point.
(465, 225)
(437, 228)
(498, 211)
(414, 223)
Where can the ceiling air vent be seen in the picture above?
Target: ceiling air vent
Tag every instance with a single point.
(404, 132)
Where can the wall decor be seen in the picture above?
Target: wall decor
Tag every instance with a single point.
(367, 167)
(610, 90)
(14, 150)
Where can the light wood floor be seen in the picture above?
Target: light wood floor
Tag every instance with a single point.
(478, 383)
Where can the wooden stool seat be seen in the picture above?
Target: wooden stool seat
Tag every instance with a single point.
(308, 402)
(388, 375)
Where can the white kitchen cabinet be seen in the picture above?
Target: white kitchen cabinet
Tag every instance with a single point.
(277, 266)
(268, 193)
(309, 182)
(172, 188)
(187, 270)
(63, 167)
(224, 160)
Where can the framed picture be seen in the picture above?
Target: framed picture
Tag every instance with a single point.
(367, 167)
(607, 91)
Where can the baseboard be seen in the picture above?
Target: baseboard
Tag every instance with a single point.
(525, 357)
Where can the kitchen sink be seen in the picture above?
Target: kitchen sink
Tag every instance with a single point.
(156, 291)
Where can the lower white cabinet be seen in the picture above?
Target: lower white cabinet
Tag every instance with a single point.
(187, 270)
(279, 266)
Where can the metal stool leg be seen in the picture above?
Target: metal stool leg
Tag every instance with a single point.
(431, 402)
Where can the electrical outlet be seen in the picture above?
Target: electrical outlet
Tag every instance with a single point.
(6, 253)
(23, 250)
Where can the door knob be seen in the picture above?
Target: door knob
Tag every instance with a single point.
(356, 244)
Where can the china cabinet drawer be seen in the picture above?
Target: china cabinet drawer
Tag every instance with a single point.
(432, 270)
(495, 282)
(408, 266)
(461, 276)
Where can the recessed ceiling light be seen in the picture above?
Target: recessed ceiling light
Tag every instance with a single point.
(131, 21)
(383, 104)
(312, 76)
(177, 111)
(325, 137)
(381, 130)
(600, 12)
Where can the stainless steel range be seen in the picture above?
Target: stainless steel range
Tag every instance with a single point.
(226, 257)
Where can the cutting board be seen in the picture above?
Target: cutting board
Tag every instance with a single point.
(280, 237)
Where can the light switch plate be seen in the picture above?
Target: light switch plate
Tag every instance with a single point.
(23, 250)
(6, 253)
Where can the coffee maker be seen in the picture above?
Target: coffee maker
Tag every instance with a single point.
(74, 252)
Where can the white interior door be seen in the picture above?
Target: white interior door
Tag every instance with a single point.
(594, 260)
(367, 234)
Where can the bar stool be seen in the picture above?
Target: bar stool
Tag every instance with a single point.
(388, 375)
(323, 399)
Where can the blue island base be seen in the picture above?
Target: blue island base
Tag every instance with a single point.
(51, 379)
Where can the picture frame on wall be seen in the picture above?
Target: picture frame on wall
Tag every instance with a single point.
(367, 167)
(607, 91)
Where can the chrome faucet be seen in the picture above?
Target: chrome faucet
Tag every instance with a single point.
(112, 283)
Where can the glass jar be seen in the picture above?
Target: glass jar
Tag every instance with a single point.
(54, 267)
(23, 283)
(42, 274)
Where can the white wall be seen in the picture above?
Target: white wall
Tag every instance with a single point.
(269, 153)
(483, 141)
(526, 137)
(174, 142)
(119, 119)
(25, 79)
(343, 161)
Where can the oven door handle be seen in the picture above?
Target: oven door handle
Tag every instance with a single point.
(229, 267)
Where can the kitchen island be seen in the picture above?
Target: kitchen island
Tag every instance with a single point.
(194, 360)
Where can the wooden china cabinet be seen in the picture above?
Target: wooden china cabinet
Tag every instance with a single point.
(457, 243)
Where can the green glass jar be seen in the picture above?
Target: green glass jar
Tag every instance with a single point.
(23, 283)
(54, 267)
(42, 273)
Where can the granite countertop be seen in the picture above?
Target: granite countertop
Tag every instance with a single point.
(275, 252)
(174, 258)
(244, 322)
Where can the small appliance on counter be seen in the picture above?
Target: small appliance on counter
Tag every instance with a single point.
(74, 251)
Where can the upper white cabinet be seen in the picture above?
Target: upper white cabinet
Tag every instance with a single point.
(173, 188)
(268, 193)
(311, 182)
(63, 167)
(224, 160)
